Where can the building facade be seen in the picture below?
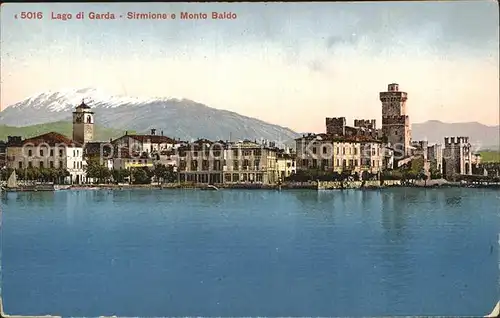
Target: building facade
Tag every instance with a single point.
(395, 121)
(457, 155)
(51, 150)
(285, 164)
(339, 154)
(204, 161)
(151, 143)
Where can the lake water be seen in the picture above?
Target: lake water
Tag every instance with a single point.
(251, 253)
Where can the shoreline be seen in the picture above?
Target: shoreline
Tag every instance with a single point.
(328, 186)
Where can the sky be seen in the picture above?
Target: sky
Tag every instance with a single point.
(291, 64)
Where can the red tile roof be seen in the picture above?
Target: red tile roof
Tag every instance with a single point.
(155, 139)
(52, 139)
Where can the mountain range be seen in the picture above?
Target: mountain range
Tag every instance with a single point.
(185, 119)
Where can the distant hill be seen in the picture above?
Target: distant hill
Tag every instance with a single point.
(62, 127)
(183, 119)
(481, 136)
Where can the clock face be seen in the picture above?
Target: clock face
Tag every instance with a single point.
(79, 118)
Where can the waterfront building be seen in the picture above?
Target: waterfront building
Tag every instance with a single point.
(3, 150)
(151, 143)
(127, 159)
(285, 164)
(249, 161)
(395, 121)
(50, 150)
(204, 161)
(355, 154)
(201, 161)
(457, 155)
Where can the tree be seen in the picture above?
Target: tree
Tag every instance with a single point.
(96, 170)
(141, 176)
(119, 175)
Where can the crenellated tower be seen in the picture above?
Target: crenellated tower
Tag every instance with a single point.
(395, 121)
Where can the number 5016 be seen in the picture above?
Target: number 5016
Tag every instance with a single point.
(31, 15)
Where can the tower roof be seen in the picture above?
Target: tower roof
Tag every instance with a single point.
(83, 106)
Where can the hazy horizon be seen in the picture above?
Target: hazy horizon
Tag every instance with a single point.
(290, 64)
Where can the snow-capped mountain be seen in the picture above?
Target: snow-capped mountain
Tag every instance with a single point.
(179, 118)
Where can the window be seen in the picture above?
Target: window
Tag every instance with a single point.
(236, 177)
(60, 152)
(258, 177)
(355, 151)
(41, 164)
(194, 165)
(20, 164)
(338, 150)
(182, 165)
(204, 165)
(52, 152)
(74, 164)
(324, 150)
(245, 163)
(30, 164)
(41, 152)
(314, 150)
(61, 164)
(343, 150)
(257, 163)
(325, 163)
(30, 153)
(217, 165)
(315, 163)
(227, 177)
(52, 164)
(235, 164)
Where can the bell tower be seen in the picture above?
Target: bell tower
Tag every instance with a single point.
(83, 124)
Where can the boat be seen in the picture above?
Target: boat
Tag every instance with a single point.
(62, 187)
(210, 187)
(11, 185)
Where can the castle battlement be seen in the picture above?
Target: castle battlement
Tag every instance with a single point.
(396, 120)
(456, 140)
(337, 121)
(365, 123)
(393, 96)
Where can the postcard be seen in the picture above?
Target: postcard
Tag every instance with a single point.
(267, 159)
